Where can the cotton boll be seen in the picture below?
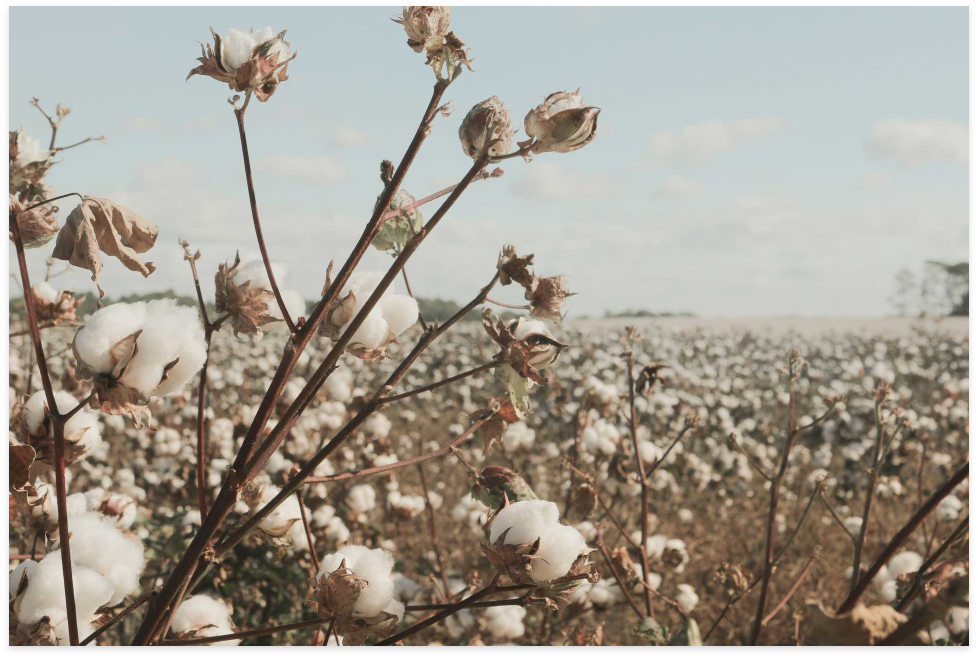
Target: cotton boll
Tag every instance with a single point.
(687, 598)
(957, 619)
(853, 524)
(400, 312)
(459, 624)
(373, 332)
(30, 566)
(505, 622)
(217, 631)
(559, 548)
(45, 594)
(518, 435)
(378, 426)
(201, 610)
(904, 562)
(64, 635)
(254, 270)
(374, 566)
(361, 498)
(99, 545)
(948, 509)
(104, 329)
(45, 292)
(170, 332)
(525, 520)
(654, 580)
(295, 304)
(889, 590)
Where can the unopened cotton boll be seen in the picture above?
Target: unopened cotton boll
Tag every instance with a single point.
(374, 566)
(527, 520)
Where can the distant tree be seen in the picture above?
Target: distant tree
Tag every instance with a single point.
(905, 296)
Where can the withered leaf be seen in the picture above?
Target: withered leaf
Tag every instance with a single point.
(864, 626)
(99, 224)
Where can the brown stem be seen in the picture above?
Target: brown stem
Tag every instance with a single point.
(392, 214)
(258, 632)
(61, 489)
(864, 526)
(918, 578)
(46, 325)
(791, 591)
(407, 284)
(45, 201)
(520, 601)
(773, 508)
(672, 445)
(433, 529)
(84, 141)
(900, 537)
(447, 612)
(239, 115)
(309, 538)
(837, 519)
(618, 579)
(644, 480)
(187, 565)
(524, 307)
(129, 609)
(750, 460)
(449, 380)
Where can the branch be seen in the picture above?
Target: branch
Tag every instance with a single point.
(640, 469)
(258, 632)
(449, 380)
(129, 609)
(791, 591)
(918, 578)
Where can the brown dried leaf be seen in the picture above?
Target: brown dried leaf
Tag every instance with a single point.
(864, 626)
(99, 224)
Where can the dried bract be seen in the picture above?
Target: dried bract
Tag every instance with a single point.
(486, 122)
(562, 123)
(252, 62)
(37, 226)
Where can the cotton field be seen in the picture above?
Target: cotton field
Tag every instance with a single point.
(421, 541)
(327, 459)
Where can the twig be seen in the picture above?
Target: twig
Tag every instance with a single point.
(449, 380)
(309, 537)
(791, 591)
(900, 537)
(877, 464)
(393, 214)
(618, 579)
(433, 528)
(524, 307)
(731, 441)
(258, 632)
(918, 578)
(640, 470)
(837, 519)
(665, 454)
(119, 617)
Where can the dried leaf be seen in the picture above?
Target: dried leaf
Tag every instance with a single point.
(864, 626)
(99, 224)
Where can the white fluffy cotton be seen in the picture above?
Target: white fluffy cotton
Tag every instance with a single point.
(361, 498)
(45, 594)
(393, 313)
(170, 333)
(204, 610)
(528, 520)
(97, 544)
(253, 273)
(505, 622)
(374, 566)
(518, 435)
(687, 598)
(83, 423)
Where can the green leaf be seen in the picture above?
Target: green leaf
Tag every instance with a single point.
(519, 389)
(651, 630)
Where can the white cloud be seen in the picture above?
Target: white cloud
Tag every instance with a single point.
(319, 170)
(920, 142)
(676, 187)
(551, 181)
(702, 141)
(874, 180)
(143, 125)
(350, 136)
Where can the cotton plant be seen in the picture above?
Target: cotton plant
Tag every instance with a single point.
(139, 351)
(202, 616)
(354, 589)
(82, 433)
(245, 293)
(392, 316)
(526, 541)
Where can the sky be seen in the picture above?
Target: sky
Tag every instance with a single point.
(749, 162)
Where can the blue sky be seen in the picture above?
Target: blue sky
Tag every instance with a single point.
(750, 162)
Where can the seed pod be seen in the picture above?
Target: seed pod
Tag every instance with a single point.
(562, 123)
(487, 120)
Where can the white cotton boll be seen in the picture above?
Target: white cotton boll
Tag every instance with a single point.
(558, 549)
(948, 509)
(255, 272)
(361, 498)
(76, 504)
(295, 304)
(64, 635)
(459, 624)
(853, 524)
(686, 515)
(526, 326)
(518, 435)
(30, 566)
(889, 590)
(400, 312)
(217, 631)
(104, 329)
(654, 579)
(45, 292)
(505, 622)
(372, 333)
(957, 619)
(377, 426)
(650, 452)
(30, 150)
(904, 562)
(200, 610)
(687, 598)
(96, 543)
(170, 332)
(45, 594)
(587, 530)
(322, 515)
(525, 520)
(375, 567)
(297, 533)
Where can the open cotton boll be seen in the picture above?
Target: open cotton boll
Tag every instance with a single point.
(374, 566)
(525, 520)
(201, 610)
(97, 544)
(904, 562)
(687, 598)
(216, 631)
(518, 435)
(104, 329)
(529, 520)
(170, 332)
(361, 498)
(400, 312)
(35, 414)
(505, 622)
(372, 332)
(45, 593)
(30, 566)
(255, 272)
(45, 292)
(295, 304)
(64, 635)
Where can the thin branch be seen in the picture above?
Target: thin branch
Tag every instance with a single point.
(731, 441)
(129, 609)
(55, 198)
(100, 138)
(393, 214)
(871, 488)
(644, 480)
(447, 612)
(309, 537)
(672, 445)
(791, 591)
(239, 115)
(241, 635)
(520, 601)
(837, 519)
(900, 537)
(618, 579)
(449, 380)
(433, 528)
(918, 579)
(524, 307)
